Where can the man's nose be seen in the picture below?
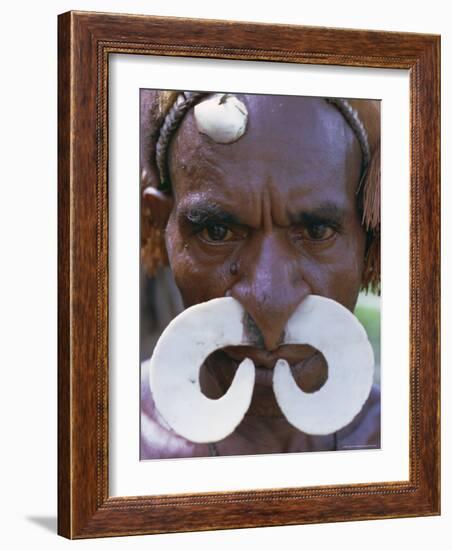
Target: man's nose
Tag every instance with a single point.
(270, 286)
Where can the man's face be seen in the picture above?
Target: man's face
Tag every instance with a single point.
(268, 219)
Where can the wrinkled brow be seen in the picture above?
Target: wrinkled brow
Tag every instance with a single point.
(205, 212)
(326, 213)
(202, 212)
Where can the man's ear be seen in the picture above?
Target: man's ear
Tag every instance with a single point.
(159, 205)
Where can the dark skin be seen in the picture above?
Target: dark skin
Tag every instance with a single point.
(267, 220)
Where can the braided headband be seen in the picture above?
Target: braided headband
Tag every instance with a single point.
(186, 100)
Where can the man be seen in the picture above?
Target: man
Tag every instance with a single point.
(275, 200)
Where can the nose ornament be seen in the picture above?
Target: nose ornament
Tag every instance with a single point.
(198, 331)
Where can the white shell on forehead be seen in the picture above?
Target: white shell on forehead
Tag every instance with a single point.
(222, 117)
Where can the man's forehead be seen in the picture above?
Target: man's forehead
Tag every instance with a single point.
(275, 124)
(293, 118)
(290, 141)
(217, 207)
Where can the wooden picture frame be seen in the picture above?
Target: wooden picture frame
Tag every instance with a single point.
(85, 42)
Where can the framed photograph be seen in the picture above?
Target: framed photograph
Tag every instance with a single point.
(248, 275)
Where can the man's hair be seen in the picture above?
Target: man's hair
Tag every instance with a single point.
(162, 113)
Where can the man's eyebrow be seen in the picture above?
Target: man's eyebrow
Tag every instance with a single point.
(207, 213)
(327, 213)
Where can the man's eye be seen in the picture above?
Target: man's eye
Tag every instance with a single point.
(216, 233)
(317, 232)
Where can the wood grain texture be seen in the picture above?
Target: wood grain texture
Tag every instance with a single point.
(85, 42)
(64, 295)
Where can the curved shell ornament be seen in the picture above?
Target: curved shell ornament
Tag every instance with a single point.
(174, 372)
(338, 335)
(201, 329)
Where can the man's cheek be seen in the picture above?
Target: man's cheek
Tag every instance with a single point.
(346, 281)
(196, 283)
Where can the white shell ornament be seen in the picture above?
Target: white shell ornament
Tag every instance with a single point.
(222, 117)
(201, 329)
(174, 372)
(333, 330)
